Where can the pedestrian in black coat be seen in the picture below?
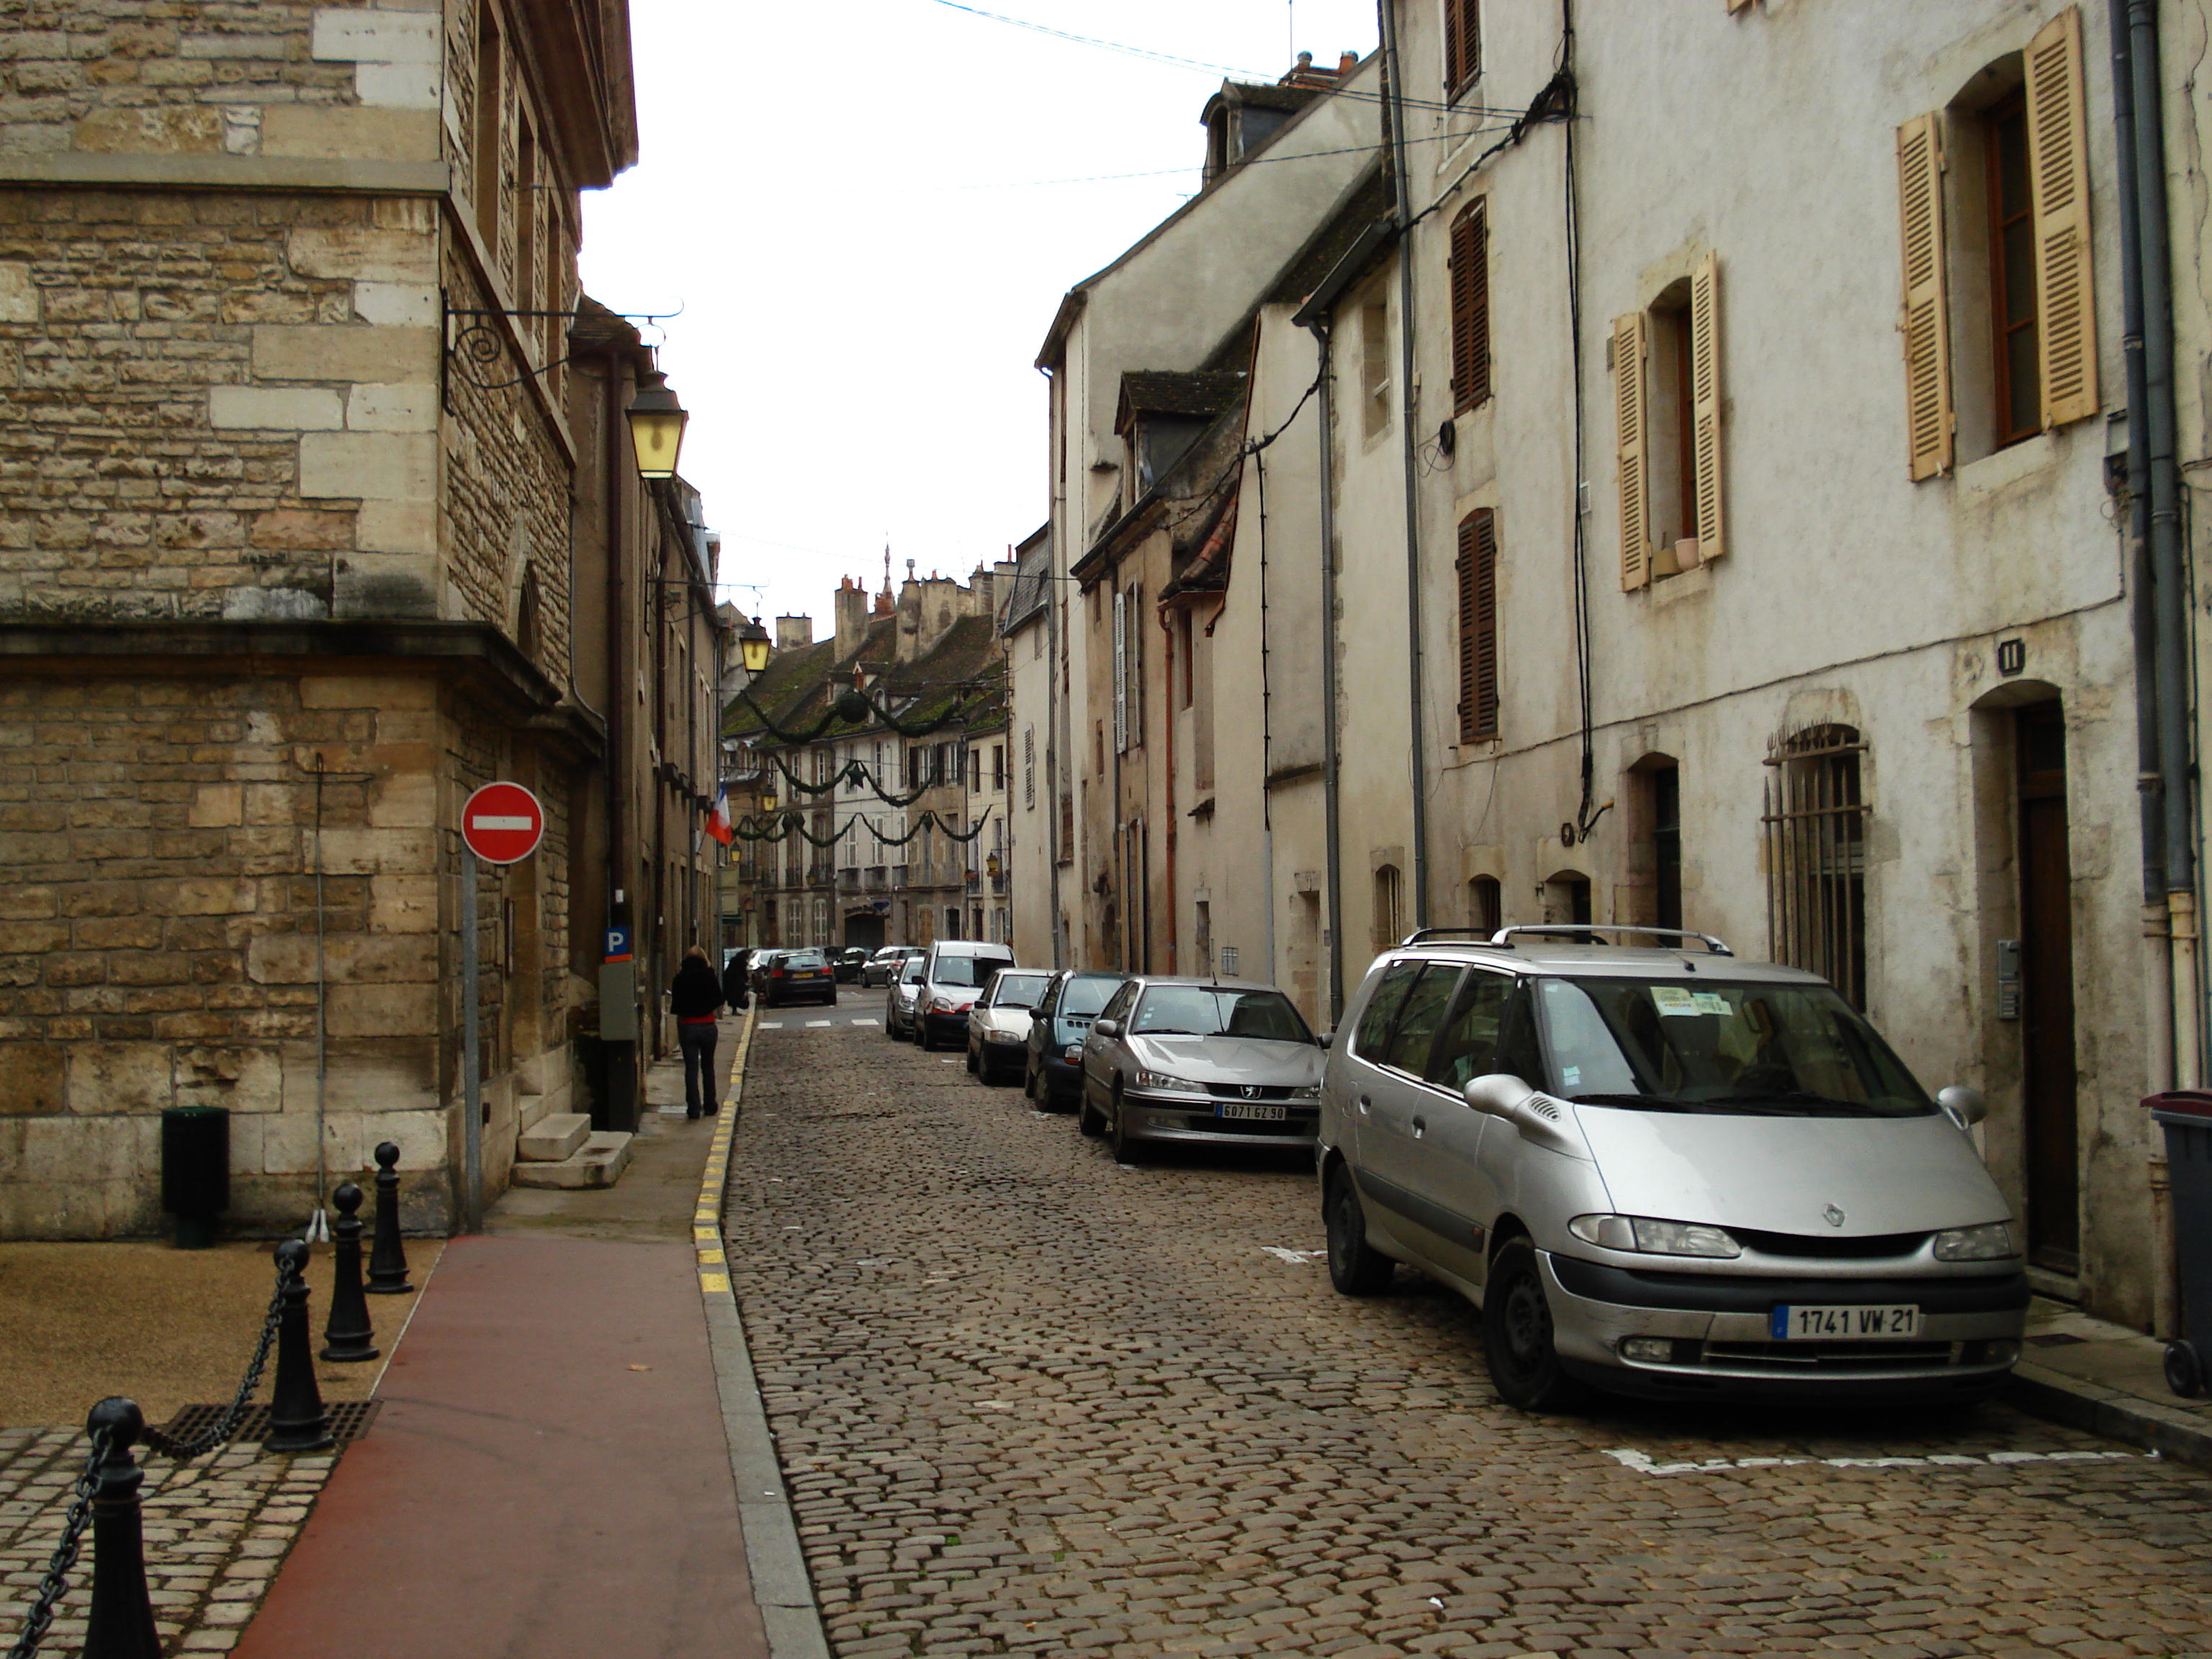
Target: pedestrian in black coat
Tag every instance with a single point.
(696, 996)
(737, 991)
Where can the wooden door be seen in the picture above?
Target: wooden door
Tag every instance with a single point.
(2054, 1191)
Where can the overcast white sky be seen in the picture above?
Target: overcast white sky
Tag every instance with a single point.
(863, 213)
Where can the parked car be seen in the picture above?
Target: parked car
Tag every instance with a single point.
(1664, 1172)
(899, 1000)
(952, 971)
(795, 976)
(1219, 1062)
(1051, 1080)
(882, 967)
(998, 1023)
(847, 961)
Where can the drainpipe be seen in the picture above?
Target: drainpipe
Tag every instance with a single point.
(2166, 560)
(1167, 769)
(621, 1111)
(1401, 179)
(1333, 903)
(2158, 1001)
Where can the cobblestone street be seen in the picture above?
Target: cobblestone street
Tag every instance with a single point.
(1027, 1400)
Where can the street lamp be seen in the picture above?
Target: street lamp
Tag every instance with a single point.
(754, 643)
(656, 426)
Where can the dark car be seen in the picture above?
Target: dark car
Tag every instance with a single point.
(1070, 1003)
(848, 963)
(797, 977)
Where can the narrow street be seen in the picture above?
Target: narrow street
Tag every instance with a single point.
(1027, 1400)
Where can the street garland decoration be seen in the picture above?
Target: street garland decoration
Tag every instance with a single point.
(781, 826)
(854, 707)
(853, 773)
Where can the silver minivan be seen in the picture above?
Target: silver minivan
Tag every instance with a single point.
(1664, 1172)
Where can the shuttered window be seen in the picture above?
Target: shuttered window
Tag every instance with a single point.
(1929, 419)
(1705, 405)
(1633, 443)
(1462, 45)
(2058, 172)
(1470, 306)
(1478, 626)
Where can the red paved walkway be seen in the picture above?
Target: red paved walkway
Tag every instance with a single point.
(548, 1477)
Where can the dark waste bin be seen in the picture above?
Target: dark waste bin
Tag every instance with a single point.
(195, 1170)
(2186, 1116)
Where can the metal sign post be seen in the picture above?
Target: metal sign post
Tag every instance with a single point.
(501, 824)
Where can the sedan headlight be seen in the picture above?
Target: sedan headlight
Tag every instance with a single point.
(1309, 1096)
(1990, 1241)
(1642, 1234)
(1002, 1037)
(1164, 1080)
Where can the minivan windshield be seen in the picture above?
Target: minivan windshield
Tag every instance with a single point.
(1085, 995)
(967, 971)
(1700, 1046)
(1213, 1011)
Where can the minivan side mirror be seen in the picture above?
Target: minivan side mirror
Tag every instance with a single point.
(1499, 1093)
(1962, 1105)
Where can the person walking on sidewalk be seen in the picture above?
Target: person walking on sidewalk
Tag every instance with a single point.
(696, 996)
(735, 991)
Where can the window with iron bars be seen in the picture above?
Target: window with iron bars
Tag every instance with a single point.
(1816, 830)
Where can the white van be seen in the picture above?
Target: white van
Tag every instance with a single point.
(953, 973)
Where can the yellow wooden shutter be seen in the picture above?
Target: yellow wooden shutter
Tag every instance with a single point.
(1928, 416)
(1705, 403)
(1633, 445)
(2058, 183)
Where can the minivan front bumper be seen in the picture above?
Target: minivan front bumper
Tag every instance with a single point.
(1717, 1330)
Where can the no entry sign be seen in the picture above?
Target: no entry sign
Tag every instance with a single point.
(503, 823)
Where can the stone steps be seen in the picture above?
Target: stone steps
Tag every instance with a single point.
(599, 1163)
(553, 1138)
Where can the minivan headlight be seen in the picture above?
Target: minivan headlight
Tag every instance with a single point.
(1642, 1234)
(1990, 1241)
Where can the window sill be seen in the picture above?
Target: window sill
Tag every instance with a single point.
(1977, 481)
(1690, 584)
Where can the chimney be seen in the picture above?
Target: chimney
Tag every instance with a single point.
(852, 616)
(1346, 63)
(794, 633)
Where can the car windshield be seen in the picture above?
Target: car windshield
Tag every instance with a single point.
(1218, 1010)
(911, 973)
(966, 971)
(1698, 1046)
(1084, 996)
(1018, 990)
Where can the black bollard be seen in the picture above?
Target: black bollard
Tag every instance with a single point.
(349, 1337)
(295, 1405)
(121, 1626)
(387, 1256)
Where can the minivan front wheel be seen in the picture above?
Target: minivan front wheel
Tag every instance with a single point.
(1517, 1331)
(1355, 1266)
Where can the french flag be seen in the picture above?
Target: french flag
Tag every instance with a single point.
(718, 816)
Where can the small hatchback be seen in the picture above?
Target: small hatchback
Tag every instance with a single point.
(899, 1000)
(797, 975)
(1217, 1062)
(998, 1023)
(1664, 1172)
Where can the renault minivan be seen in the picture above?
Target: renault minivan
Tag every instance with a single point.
(1663, 1171)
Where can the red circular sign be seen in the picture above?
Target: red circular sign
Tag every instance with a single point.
(503, 823)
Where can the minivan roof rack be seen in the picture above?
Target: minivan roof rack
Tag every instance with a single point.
(1505, 935)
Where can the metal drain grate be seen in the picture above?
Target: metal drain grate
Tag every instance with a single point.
(348, 1420)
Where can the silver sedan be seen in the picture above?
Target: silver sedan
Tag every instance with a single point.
(1216, 1062)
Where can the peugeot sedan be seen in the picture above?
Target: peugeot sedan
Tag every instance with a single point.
(1665, 1172)
(1190, 1061)
(998, 1023)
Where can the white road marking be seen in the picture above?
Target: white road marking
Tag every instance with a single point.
(811, 1023)
(1295, 1258)
(864, 1020)
(1643, 1463)
(771, 1025)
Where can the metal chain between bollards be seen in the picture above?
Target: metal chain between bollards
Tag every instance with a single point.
(227, 1425)
(55, 1584)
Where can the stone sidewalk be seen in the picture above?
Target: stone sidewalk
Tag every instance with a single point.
(2089, 1374)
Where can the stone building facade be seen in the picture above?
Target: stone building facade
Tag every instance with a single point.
(286, 468)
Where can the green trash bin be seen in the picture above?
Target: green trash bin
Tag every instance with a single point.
(195, 1170)
(2185, 1114)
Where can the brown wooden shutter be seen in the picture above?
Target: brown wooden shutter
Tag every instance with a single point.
(1632, 444)
(1927, 322)
(1477, 568)
(1470, 305)
(1462, 45)
(1705, 403)
(2058, 185)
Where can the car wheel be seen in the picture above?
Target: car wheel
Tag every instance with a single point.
(1355, 1266)
(1125, 1146)
(1029, 1083)
(974, 1068)
(1517, 1331)
(1086, 1120)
